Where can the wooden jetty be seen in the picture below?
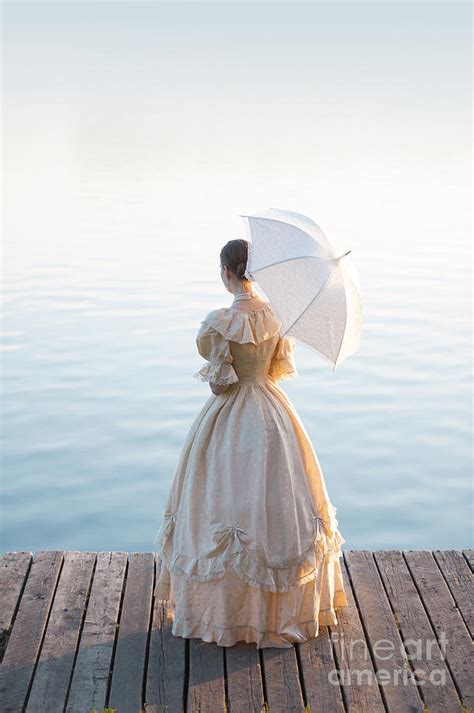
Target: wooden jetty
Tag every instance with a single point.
(81, 631)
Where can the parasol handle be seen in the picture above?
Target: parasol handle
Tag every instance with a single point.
(347, 253)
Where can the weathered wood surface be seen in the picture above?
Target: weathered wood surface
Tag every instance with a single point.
(82, 631)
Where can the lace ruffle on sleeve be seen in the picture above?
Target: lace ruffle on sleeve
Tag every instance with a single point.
(215, 349)
(282, 365)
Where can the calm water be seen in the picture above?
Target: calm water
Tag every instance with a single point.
(133, 141)
(98, 394)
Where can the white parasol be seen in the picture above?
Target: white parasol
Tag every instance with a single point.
(313, 290)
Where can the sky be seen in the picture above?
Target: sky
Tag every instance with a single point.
(181, 116)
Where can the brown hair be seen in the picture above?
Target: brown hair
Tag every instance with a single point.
(234, 254)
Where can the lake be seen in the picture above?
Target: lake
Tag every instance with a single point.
(98, 394)
(133, 141)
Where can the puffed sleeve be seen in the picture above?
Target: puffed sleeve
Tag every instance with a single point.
(214, 347)
(282, 365)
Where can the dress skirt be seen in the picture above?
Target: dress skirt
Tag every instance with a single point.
(249, 547)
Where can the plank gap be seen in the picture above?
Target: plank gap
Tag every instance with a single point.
(117, 627)
(300, 673)
(84, 613)
(264, 679)
(150, 627)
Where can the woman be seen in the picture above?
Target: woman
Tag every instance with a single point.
(248, 546)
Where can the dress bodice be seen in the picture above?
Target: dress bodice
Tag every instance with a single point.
(252, 362)
(244, 347)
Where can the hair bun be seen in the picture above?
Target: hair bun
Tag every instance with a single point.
(241, 269)
(234, 255)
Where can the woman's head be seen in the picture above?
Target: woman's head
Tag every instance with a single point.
(233, 258)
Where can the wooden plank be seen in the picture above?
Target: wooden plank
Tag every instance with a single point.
(90, 678)
(27, 633)
(129, 666)
(399, 598)
(436, 685)
(244, 678)
(320, 674)
(388, 654)
(14, 569)
(360, 687)
(166, 677)
(280, 669)
(469, 555)
(460, 581)
(206, 692)
(54, 668)
(445, 619)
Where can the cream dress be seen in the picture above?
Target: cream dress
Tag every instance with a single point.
(248, 547)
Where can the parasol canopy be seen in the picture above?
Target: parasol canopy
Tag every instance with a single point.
(313, 289)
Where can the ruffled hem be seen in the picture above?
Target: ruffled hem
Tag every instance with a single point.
(233, 548)
(229, 636)
(217, 372)
(237, 326)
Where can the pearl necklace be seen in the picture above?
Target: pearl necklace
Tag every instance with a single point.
(245, 296)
